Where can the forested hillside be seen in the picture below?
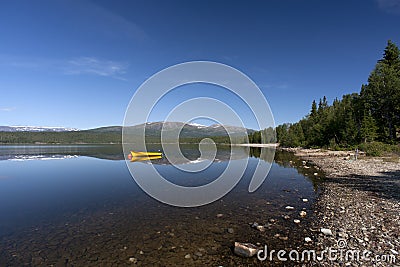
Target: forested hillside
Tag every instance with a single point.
(363, 118)
(78, 137)
(113, 134)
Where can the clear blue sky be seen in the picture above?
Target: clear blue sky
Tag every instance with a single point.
(78, 63)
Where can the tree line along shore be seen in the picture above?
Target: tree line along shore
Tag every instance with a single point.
(368, 120)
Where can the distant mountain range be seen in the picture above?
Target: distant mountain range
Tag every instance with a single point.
(187, 132)
(152, 129)
(35, 129)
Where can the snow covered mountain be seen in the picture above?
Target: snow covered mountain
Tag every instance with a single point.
(188, 129)
(152, 129)
(35, 129)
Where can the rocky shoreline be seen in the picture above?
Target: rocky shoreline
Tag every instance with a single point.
(360, 205)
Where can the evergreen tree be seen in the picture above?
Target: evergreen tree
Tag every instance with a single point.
(391, 56)
(368, 129)
(382, 93)
(268, 136)
(324, 102)
(313, 113)
(282, 133)
(320, 106)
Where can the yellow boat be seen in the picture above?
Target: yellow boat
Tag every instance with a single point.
(141, 156)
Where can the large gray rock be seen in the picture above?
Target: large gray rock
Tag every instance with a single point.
(246, 250)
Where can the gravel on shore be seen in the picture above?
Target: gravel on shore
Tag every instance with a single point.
(360, 204)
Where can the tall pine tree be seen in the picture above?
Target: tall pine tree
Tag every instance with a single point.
(382, 93)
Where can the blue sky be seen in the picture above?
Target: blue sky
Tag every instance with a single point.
(78, 63)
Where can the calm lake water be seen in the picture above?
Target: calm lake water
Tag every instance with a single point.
(79, 205)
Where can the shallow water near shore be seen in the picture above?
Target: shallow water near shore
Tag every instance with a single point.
(78, 205)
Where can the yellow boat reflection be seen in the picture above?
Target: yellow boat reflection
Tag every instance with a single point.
(134, 159)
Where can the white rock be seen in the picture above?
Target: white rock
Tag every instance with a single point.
(307, 239)
(246, 250)
(260, 228)
(187, 256)
(133, 260)
(326, 231)
(315, 173)
(296, 221)
(303, 213)
(289, 208)
(305, 200)
(342, 235)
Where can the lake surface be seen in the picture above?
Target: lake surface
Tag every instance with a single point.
(79, 205)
